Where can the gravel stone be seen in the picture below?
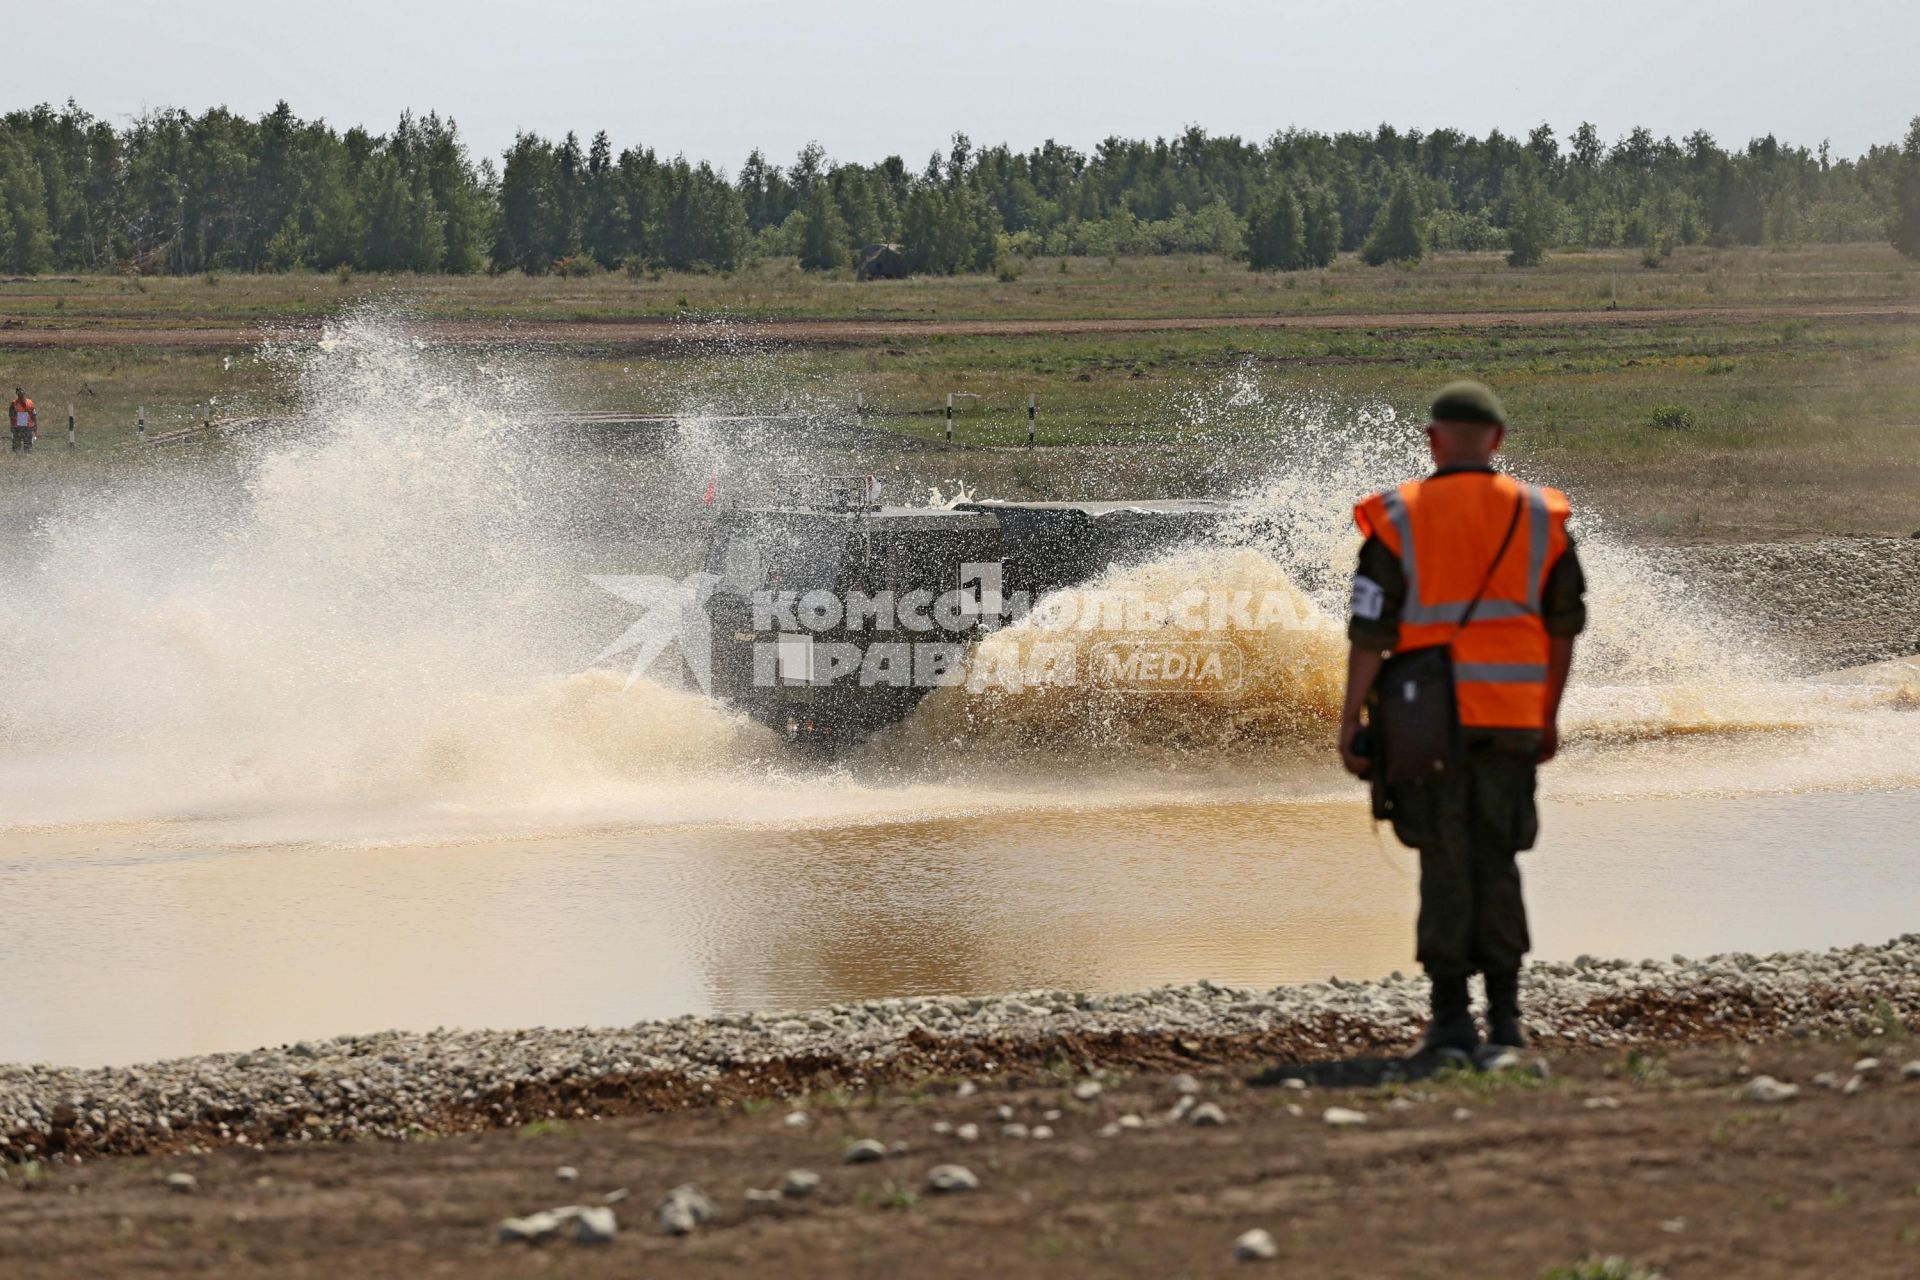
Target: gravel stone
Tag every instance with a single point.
(951, 1177)
(182, 1183)
(1767, 1089)
(1206, 1115)
(1255, 1246)
(594, 1224)
(682, 1209)
(1343, 1117)
(797, 1184)
(866, 1151)
(534, 1227)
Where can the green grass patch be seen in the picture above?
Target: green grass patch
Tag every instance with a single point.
(1611, 1268)
(550, 1129)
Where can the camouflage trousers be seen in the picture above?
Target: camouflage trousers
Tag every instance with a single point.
(1469, 826)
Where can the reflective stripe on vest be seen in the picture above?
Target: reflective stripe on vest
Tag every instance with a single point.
(1500, 657)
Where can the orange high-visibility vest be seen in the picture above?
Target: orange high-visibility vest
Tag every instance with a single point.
(1446, 530)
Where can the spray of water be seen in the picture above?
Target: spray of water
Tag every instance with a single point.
(364, 602)
(378, 607)
(1656, 663)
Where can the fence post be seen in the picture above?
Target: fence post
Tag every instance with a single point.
(860, 407)
(206, 422)
(949, 417)
(1033, 409)
(143, 424)
(69, 424)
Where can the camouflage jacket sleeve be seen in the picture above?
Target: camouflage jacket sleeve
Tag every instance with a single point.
(1563, 605)
(1379, 593)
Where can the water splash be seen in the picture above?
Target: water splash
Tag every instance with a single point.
(371, 599)
(1656, 663)
(378, 609)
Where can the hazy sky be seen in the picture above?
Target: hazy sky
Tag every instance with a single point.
(867, 78)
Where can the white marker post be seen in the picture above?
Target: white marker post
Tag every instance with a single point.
(1033, 409)
(949, 417)
(860, 407)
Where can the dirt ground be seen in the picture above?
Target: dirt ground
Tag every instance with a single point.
(664, 332)
(1678, 1173)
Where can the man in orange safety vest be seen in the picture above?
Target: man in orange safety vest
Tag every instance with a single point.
(1433, 547)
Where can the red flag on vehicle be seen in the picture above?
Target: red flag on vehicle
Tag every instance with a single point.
(713, 489)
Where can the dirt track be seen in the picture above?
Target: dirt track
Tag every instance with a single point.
(1678, 1171)
(667, 331)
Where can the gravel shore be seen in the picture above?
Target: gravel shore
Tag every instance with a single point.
(399, 1084)
(1829, 603)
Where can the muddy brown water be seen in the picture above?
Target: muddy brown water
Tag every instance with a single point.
(138, 942)
(323, 746)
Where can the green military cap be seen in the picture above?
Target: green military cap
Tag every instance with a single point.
(1468, 402)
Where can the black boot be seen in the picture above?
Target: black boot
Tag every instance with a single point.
(1503, 1011)
(1451, 1026)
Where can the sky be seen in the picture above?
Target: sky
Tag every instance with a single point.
(866, 79)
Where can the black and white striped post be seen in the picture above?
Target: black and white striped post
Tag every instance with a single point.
(69, 425)
(949, 417)
(141, 425)
(1033, 410)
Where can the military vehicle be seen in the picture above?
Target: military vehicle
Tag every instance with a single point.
(832, 614)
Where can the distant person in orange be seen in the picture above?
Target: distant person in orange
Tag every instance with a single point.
(25, 422)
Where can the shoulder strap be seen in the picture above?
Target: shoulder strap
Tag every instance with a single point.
(1486, 581)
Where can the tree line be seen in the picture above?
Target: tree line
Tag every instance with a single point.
(173, 192)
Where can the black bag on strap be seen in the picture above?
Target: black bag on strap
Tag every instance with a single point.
(1415, 708)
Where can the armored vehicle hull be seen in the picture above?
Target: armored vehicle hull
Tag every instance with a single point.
(832, 621)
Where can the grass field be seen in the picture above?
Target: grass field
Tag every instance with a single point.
(1730, 392)
(1078, 288)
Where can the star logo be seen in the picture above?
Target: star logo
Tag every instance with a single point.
(675, 617)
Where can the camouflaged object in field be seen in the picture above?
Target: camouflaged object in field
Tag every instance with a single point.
(880, 262)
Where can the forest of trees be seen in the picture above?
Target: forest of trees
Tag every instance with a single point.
(179, 193)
